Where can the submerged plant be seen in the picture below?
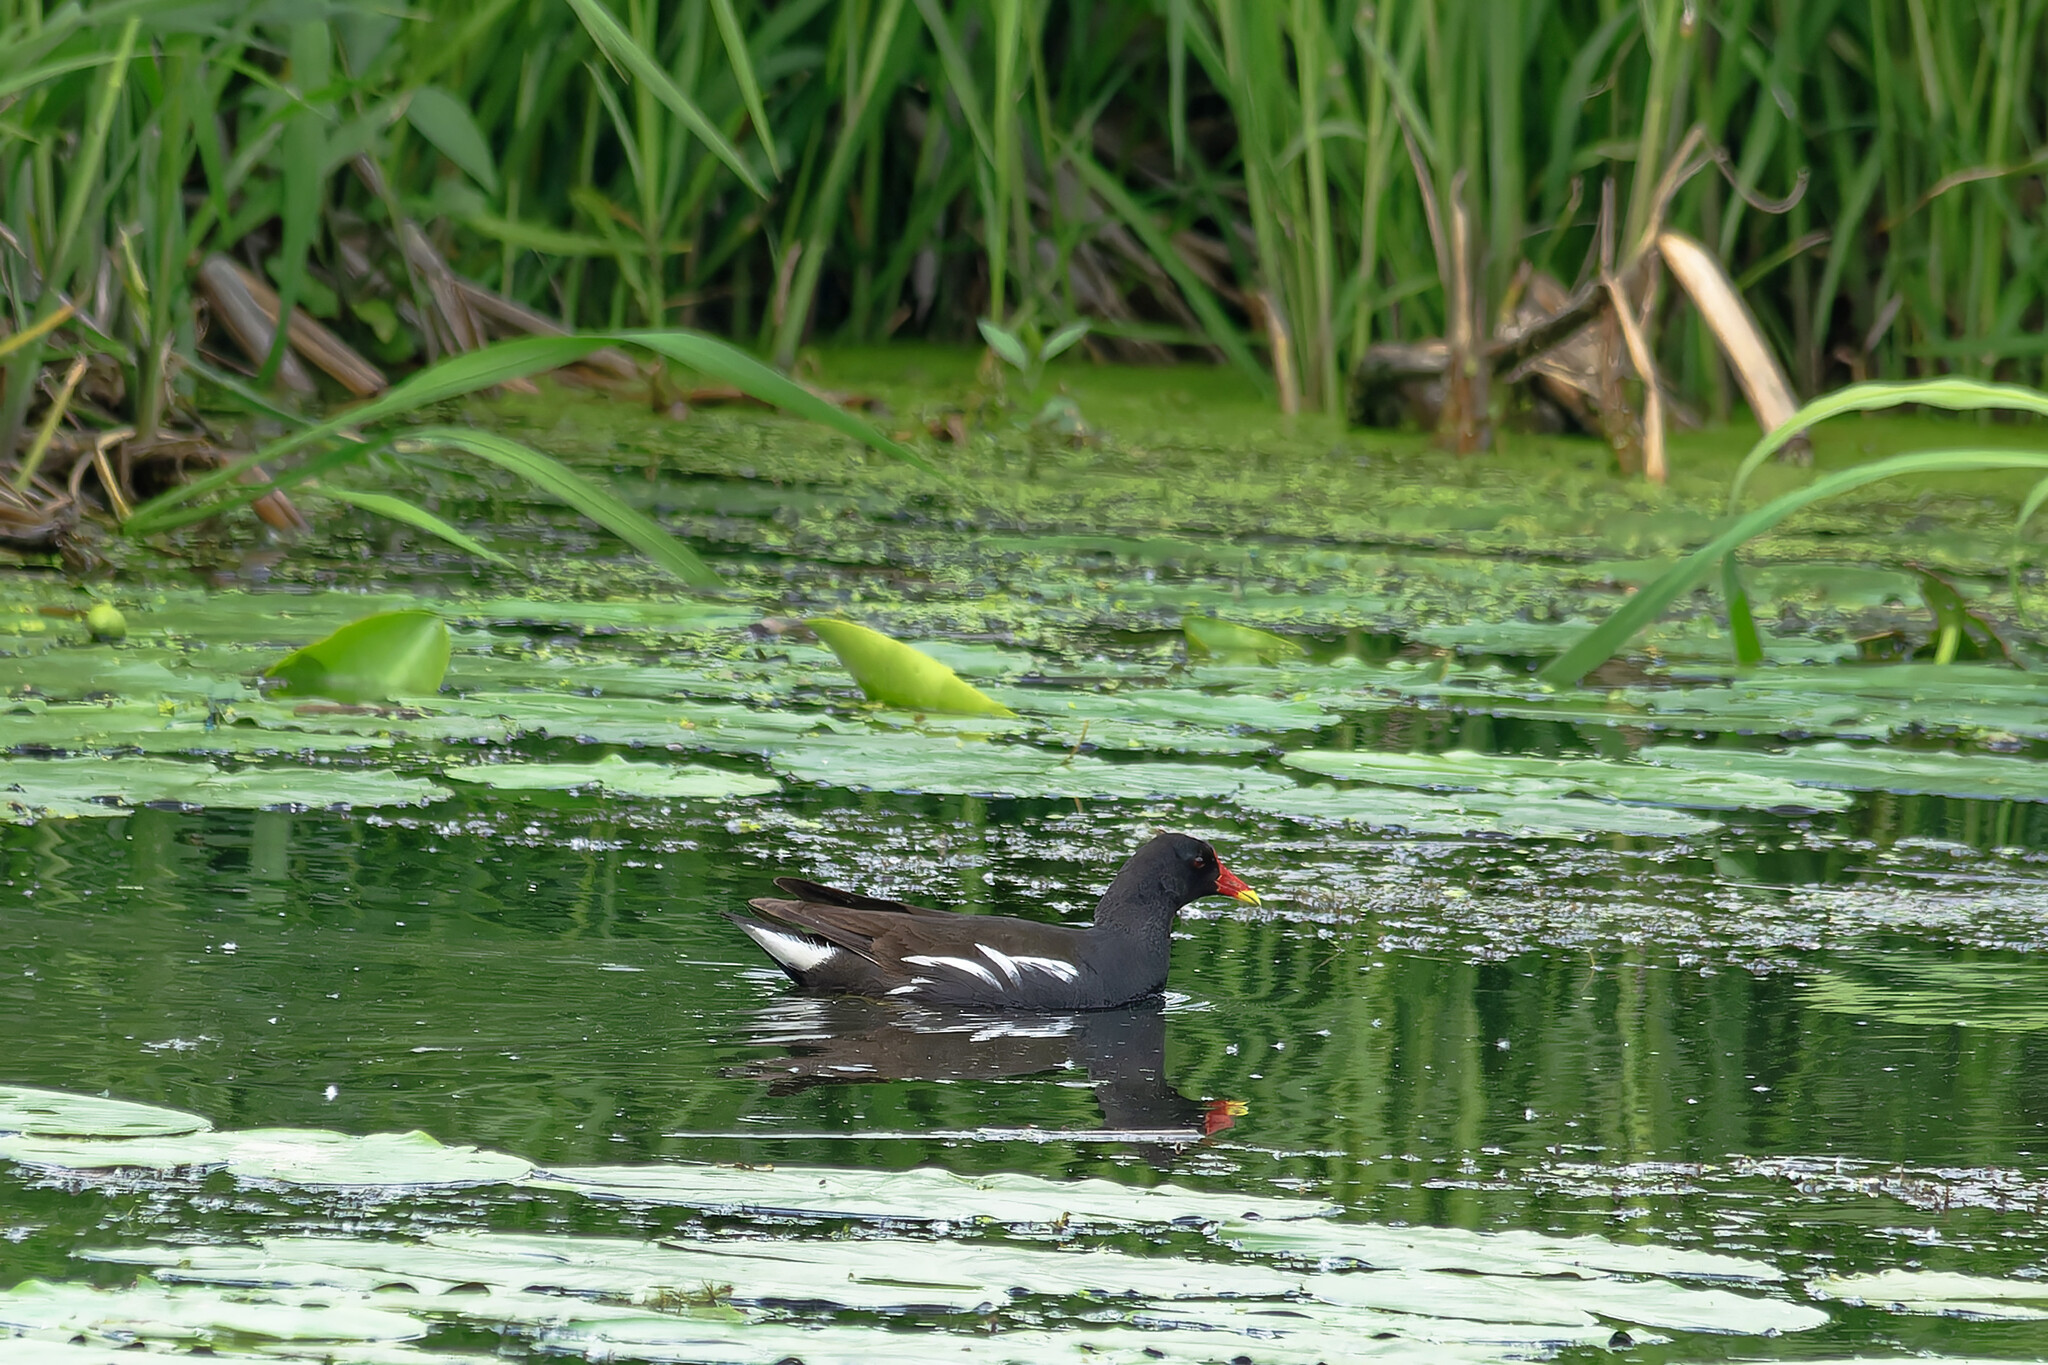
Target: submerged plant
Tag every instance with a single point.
(1024, 353)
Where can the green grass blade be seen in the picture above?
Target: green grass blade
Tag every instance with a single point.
(1749, 646)
(878, 78)
(635, 61)
(1570, 102)
(480, 369)
(398, 509)
(1177, 80)
(743, 72)
(629, 524)
(446, 122)
(711, 356)
(2036, 497)
(1220, 331)
(303, 177)
(508, 360)
(1607, 638)
(255, 399)
(84, 169)
(451, 378)
(242, 494)
(14, 82)
(539, 237)
(959, 76)
(1957, 395)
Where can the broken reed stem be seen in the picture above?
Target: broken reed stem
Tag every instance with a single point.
(1646, 369)
(116, 499)
(1727, 316)
(1464, 418)
(1282, 342)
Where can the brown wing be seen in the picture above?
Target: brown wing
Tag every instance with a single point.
(855, 930)
(819, 894)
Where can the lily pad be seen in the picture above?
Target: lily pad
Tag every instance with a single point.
(1245, 710)
(1331, 1243)
(32, 788)
(583, 670)
(913, 762)
(195, 1314)
(921, 1195)
(1568, 1301)
(134, 672)
(895, 674)
(248, 727)
(1167, 1294)
(1936, 1291)
(616, 775)
(1990, 777)
(58, 1113)
(383, 657)
(1210, 638)
(292, 1156)
(623, 720)
(1601, 779)
(1145, 737)
(867, 1273)
(1518, 815)
(1265, 1331)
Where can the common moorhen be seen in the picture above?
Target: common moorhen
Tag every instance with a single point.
(847, 944)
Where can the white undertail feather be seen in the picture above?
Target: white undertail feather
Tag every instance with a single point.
(958, 964)
(792, 950)
(1004, 961)
(1065, 971)
(1051, 966)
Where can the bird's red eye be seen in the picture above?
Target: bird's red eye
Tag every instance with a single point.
(1201, 861)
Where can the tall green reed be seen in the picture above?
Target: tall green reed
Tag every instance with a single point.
(1217, 176)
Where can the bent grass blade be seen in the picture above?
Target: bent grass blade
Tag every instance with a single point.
(492, 365)
(1654, 599)
(399, 510)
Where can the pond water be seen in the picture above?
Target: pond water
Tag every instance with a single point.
(1694, 1016)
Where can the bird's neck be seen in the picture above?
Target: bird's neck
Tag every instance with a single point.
(1138, 905)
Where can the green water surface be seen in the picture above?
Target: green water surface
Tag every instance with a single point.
(1803, 1024)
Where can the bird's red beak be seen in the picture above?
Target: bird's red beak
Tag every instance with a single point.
(1229, 884)
(1222, 1114)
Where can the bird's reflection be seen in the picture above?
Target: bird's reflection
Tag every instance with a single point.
(846, 1040)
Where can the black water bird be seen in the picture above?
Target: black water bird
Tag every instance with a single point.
(843, 943)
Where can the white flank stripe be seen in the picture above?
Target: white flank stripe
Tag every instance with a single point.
(1002, 960)
(958, 964)
(903, 990)
(791, 950)
(1065, 971)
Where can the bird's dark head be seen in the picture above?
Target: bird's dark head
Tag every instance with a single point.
(1169, 872)
(1192, 868)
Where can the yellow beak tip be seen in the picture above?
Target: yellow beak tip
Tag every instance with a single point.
(1248, 896)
